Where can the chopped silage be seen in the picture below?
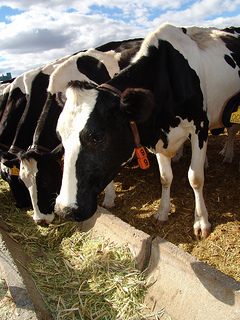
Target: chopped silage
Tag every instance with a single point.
(78, 276)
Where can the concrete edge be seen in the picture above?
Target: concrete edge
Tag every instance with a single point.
(28, 300)
(189, 288)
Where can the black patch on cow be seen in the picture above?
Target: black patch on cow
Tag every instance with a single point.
(48, 180)
(184, 30)
(119, 46)
(127, 48)
(93, 69)
(3, 103)
(18, 189)
(45, 133)
(128, 54)
(82, 85)
(231, 106)
(35, 104)
(176, 88)
(232, 30)
(233, 44)
(230, 61)
(12, 115)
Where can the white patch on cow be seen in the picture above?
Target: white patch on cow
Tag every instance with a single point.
(51, 67)
(4, 88)
(4, 168)
(28, 78)
(71, 121)
(109, 59)
(152, 40)
(27, 173)
(18, 83)
(68, 70)
(176, 137)
(7, 89)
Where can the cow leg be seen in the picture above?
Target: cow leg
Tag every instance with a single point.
(166, 176)
(110, 196)
(228, 149)
(196, 180)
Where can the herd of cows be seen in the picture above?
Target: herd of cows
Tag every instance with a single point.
(68, 128)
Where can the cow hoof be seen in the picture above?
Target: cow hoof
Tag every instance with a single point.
(108, 206)
(202, 233)
(158, 222)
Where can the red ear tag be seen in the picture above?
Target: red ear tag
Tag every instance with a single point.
(142, 158)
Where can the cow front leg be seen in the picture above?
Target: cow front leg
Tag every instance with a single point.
(110, 196)
(196, 180)
(166, 177)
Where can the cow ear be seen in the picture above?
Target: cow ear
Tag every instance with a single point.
(137, 104)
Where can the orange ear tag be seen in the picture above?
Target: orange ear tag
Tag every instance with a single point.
(142, 158)
(14, 171)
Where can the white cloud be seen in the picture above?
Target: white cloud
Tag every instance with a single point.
(48, 30)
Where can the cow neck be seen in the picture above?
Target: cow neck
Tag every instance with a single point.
(139, 150)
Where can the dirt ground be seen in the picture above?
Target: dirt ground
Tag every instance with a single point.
(138, 197)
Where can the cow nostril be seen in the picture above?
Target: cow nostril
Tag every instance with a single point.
(68, 213)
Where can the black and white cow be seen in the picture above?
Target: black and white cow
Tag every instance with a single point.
(173, 90)
(14, 108)
(40, 162)
(26, 100)
(16, 96)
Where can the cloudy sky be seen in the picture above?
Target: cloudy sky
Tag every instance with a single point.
(34, 33)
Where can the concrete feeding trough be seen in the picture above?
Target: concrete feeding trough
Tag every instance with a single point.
(184, 286)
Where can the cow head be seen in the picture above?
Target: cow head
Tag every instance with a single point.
(98, 141)
(42, 175)
(10, 173)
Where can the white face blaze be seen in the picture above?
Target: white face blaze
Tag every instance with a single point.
(71, 121)
(27, 173)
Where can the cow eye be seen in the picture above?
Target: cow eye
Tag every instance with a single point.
(98, 138)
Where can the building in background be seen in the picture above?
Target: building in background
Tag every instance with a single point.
(8, 76)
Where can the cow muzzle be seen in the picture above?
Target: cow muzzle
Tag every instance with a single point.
(69, 213)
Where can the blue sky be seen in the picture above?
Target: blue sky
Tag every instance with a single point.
(35, 33)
